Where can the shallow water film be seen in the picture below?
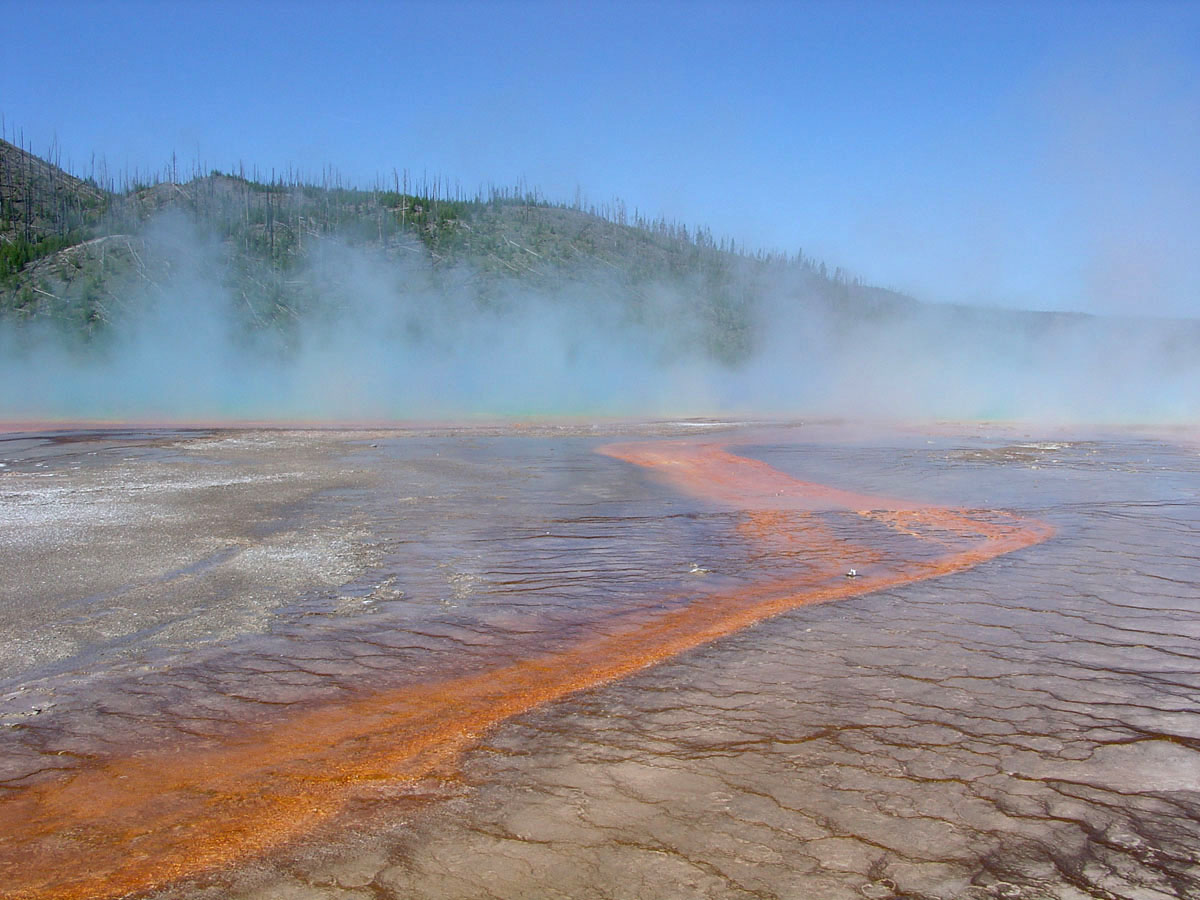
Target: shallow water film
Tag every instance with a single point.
(661, 660)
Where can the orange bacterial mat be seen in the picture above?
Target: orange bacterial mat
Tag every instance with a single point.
(114, 826)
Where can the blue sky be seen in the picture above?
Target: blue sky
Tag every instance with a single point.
(1040, 155)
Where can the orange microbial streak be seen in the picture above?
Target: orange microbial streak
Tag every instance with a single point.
(123, 825)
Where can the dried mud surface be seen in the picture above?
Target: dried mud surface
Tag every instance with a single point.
(549, 662)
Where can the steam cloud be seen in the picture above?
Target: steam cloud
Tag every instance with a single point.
(387, 343)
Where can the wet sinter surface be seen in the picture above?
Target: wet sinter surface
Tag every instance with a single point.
(282, 664)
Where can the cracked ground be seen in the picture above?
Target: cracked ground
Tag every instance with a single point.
(475, 663)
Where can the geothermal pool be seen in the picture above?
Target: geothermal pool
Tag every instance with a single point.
(617, 661)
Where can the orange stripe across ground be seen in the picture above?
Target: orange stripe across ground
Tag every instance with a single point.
(129, 824)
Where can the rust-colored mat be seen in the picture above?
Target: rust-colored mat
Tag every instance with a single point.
(120, 825)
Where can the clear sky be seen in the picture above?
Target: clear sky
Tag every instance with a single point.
(1042, 155)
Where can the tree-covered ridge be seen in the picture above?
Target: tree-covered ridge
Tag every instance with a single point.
(42, 208)
(72, 249)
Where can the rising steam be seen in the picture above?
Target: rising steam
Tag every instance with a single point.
(391, 339)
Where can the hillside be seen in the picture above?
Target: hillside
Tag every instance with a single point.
(227, 296)
(42, 208)
(73, 252)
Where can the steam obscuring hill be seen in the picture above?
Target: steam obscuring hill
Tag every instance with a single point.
(72, 248)
(231, 296)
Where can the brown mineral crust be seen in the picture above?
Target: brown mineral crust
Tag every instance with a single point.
(120, 825)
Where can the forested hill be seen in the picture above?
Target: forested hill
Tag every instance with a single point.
(226, 295)
(72, 250)
(42, 208)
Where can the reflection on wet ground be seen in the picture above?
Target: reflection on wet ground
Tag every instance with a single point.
(340, 685)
